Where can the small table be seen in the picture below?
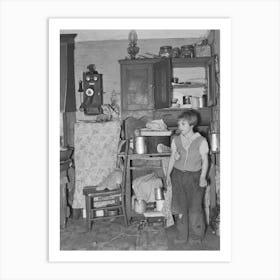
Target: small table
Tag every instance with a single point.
(128, 183)
(115, 197)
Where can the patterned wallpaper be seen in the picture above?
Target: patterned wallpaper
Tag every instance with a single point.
(96, 146)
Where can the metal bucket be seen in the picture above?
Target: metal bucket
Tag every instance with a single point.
(139, 206)
(140, 146)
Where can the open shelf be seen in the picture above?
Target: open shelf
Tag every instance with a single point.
(106, 207)
(186, 85)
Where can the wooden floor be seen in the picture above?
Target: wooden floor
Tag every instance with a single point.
(113, 235)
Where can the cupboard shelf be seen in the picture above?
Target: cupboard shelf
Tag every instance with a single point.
(105, 217)
(191, 62)
(106, 207)
(188, 86)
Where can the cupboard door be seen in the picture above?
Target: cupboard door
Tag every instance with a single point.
(137, 87)
(162, 83)
(211, 83)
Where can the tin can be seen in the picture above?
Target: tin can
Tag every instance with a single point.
(202, 101)
(159, 194)
(215, 142)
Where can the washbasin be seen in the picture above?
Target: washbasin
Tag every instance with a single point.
(65, 153)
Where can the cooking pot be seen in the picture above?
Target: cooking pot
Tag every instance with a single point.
(198, 102)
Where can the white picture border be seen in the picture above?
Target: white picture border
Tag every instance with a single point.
(57, 24)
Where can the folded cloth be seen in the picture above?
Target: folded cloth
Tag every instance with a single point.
(161, 148)
(144, 187)
(156, 125)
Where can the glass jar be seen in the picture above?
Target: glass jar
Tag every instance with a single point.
(176, 52)
(165, 51)
(187, 51)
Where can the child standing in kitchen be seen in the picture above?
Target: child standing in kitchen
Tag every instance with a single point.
(187, 170)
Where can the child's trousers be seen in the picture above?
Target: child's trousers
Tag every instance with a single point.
(187, 199)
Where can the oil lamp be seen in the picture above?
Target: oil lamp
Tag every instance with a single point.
(132, 49)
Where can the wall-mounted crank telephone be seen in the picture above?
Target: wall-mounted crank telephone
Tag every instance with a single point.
(92, 93)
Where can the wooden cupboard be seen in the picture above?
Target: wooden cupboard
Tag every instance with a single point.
(146, 84)
(67, 78)
(147, 90)
(208, 66)
(67, 88)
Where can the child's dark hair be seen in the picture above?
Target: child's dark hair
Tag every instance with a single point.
(191, 116)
